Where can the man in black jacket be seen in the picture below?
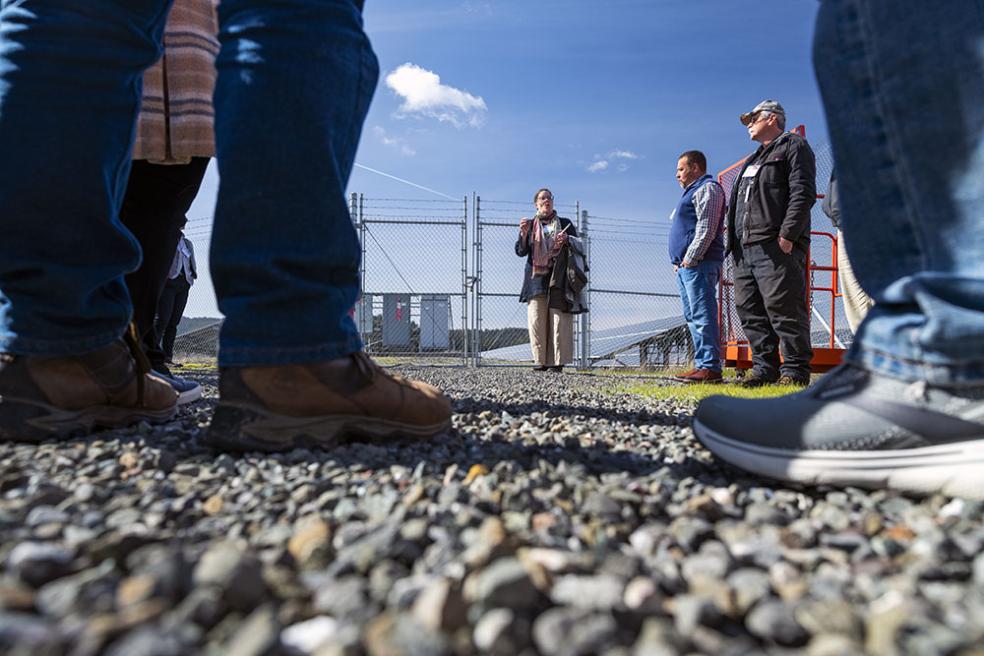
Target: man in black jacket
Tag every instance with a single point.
(769, 237)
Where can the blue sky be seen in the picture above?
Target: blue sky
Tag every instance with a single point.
(592, 99)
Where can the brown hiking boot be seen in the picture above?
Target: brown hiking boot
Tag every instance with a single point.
(277, 408)
(46, 396)
(702, 376)
(685, 375)
(797, 381)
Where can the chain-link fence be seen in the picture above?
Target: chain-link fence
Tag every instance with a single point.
(414, 276)
(500, 329)
(441, 280)
(198, 333)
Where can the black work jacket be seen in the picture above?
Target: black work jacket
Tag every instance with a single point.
(782, 195)
(525, 247)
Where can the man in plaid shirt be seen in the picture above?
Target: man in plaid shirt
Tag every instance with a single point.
(696, 246)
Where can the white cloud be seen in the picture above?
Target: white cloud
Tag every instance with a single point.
(394, 142)
(482, 8)
(602, 163)
(424, 95)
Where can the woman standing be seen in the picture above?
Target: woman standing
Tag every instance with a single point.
(551, 324)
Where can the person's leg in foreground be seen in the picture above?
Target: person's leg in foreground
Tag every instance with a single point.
(64, 309)
(161, 337)
(154, 206)
(903, 87)
(172, 304)
(295, 81)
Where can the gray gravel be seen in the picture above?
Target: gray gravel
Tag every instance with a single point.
(559, 518)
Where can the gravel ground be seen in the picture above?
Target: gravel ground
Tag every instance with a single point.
(558, 518)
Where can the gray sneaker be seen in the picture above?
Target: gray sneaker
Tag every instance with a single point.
(855, 427)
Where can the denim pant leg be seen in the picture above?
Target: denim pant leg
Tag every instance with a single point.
(294, 85)
(686, 304)
(698, 291)
(70, 83)
(903, 87)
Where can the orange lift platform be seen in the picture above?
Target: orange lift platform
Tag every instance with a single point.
(734, 347)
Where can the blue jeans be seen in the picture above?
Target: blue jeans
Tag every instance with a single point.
(697, 293)
(295, 81)
(903, 87)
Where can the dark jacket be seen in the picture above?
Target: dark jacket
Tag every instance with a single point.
(831, 204)
(569, 278)
(525, 247)
(782, 195)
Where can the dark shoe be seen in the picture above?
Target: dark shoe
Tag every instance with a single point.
(557, 369)
(276, 408)
(757, 380)
(686, 374)
(796, 381)
(703, 376)
(43, 397)
(187, 390)
(541, 367)
(855, 427)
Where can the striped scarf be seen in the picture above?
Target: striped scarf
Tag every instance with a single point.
(542, 244)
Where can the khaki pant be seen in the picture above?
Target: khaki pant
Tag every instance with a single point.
(856, 300)
(551, 333)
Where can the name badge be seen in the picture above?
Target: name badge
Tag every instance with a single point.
(751, 171)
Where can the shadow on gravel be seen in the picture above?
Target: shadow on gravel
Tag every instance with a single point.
(434, 457)
(572, 412)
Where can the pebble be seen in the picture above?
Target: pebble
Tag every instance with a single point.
(506, 582)
(308, 635)
(776, 621)
(37, 563)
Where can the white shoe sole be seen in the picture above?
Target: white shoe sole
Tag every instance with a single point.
(193, 394)
(951, 469)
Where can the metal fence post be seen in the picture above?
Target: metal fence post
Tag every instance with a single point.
(586, 316)
(354, 205)
(477, 342)
(464, 282)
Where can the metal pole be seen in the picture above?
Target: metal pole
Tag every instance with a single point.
(464, 282)
(354, 215)
(366, 307)
(586, 316)
(477, 342)
(578, 341)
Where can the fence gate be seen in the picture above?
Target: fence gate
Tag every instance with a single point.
(414, 278)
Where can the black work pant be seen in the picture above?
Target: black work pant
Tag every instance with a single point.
(770, 296)
(169, 310)
(154, 206)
